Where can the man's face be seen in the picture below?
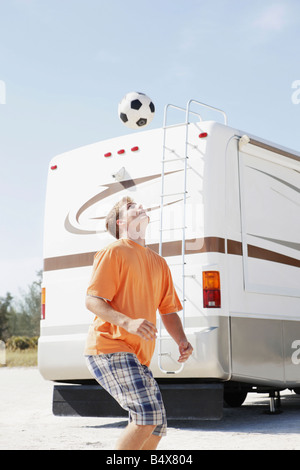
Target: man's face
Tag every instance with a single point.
(134, 219)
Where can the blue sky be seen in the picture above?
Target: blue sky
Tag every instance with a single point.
(65, 65)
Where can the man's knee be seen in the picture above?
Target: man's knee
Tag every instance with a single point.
(143, 430)
(144, 427)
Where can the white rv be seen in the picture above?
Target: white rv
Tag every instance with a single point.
(225, 213)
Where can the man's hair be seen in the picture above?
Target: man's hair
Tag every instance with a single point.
(114, 214)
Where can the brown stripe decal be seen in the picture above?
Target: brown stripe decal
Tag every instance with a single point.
(234, 247)
(197, 245)
(174, 248)
(285, 153)
(261, 253)
(69, 261)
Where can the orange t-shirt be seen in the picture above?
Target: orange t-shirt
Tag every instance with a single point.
(135, 281)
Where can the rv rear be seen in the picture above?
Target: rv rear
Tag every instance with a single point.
(224, 212)
(82, 186)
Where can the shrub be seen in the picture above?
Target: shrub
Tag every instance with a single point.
(21, 342)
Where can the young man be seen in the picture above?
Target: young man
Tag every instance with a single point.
(129, 283)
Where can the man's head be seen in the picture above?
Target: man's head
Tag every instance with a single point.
(127, 217)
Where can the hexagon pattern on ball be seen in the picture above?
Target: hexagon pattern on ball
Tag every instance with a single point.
(136, 110)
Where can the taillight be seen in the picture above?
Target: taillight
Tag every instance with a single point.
(43, 303)
(211, 289)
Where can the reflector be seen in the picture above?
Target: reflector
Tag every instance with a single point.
(211, 289)
(43, 303)
(211, 280)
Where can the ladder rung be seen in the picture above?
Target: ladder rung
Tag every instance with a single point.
(176, 264)
(171, 228)
(169, 160)
(173, 194)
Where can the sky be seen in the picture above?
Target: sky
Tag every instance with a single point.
(66, 64)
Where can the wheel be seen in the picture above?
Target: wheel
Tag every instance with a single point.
(235, 399)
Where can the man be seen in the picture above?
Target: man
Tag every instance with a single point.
(129, 283)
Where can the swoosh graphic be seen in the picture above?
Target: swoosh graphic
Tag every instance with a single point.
(111, 188)
(148, 209)
(278, 179)
(293, 245)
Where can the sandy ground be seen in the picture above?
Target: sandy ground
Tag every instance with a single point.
(27, 422)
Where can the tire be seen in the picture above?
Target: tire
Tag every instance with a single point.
(234, 399)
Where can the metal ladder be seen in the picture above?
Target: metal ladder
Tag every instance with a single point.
(183, 193)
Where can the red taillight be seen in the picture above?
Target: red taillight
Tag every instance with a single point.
(211, 289)
(53, 167)
(202, 135)
(211, 299)
(120, 152)
(43, 303)
(134, 149)
(108, 154)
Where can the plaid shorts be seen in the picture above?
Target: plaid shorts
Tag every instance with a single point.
(132, 385)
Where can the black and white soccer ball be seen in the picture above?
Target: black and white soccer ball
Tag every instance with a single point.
(136, 110)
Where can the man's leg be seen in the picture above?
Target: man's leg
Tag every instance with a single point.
(136, 436)
(130, 394)
(152, 442)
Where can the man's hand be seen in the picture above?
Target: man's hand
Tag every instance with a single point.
(185, 350)
(141, 327)
(174, 327)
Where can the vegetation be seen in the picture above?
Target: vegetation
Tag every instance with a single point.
(21, 358)
(20, 326)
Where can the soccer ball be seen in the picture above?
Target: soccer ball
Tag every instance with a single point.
(136, 110)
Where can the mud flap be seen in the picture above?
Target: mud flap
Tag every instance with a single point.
(192, 401)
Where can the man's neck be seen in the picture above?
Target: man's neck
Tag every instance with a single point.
(139, 241)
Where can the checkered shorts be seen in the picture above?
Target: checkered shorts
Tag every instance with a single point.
(132, 385)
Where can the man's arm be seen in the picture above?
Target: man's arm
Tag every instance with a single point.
(139, 326)
(174, 327)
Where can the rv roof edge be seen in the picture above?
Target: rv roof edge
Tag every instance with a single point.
(277, 149)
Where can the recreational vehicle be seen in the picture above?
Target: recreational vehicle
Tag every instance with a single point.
(224, 212)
